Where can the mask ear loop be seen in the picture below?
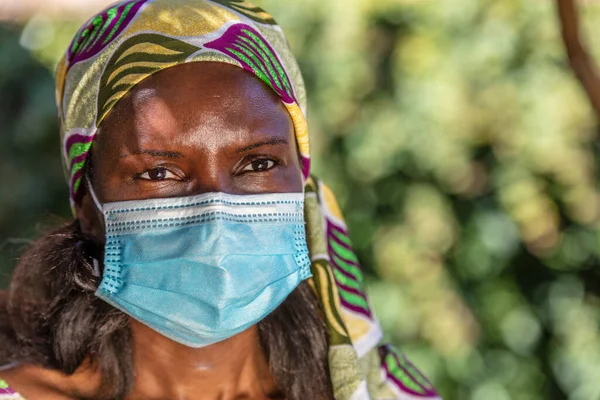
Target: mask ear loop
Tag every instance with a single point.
(95, 262)
(96, 270)
(93, 194)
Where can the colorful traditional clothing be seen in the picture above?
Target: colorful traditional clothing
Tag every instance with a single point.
(133, 39)
(6, 393)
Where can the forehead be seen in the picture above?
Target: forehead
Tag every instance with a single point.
(185, 99)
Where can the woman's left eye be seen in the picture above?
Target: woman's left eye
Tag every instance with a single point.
(263, 164)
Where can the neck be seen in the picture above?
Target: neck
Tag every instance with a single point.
(232, 369)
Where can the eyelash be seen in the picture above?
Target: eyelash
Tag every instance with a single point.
(249, 161)
(246, 163)
(149, 171)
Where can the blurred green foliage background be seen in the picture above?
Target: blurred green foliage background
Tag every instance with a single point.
(463, 152)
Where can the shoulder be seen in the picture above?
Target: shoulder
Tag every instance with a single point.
(28, 382)
(7, 373)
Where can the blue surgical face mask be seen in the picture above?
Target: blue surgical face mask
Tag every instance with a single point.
(202, 269)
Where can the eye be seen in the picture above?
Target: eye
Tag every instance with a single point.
(158, 174)
(263, 164)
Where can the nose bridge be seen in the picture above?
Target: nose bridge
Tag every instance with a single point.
(211, 175)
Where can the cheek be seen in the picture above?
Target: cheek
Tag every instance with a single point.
(293, 181)
(292, 169)
(282, 179)
(298, 177)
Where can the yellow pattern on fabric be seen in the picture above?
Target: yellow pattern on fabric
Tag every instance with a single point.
(146, 54)
(81, 90)
(331, 203)
(322, 281)
(182, 18)
(148, 48)
(248, 10)
(61, 75)
(301, 129)
(329, 297)
(357, 326)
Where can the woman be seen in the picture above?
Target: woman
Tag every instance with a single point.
(203, 262)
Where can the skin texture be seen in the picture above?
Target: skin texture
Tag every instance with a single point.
(190, 129)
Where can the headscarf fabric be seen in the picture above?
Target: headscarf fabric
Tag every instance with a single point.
(133, 39)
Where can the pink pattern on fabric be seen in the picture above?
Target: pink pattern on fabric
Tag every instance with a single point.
(403, 375)
(346, 271)
(6, 393)
(305, 162)
(101, 30)
(77, 148)
(247, 46)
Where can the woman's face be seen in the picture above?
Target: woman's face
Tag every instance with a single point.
(191, 129)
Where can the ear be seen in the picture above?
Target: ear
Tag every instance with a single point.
(90, 218)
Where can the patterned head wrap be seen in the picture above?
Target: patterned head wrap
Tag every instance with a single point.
(134, 39)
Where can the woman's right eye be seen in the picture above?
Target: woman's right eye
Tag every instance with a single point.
(158, 174)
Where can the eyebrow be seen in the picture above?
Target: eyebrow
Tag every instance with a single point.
(269, 142)
(156, 153)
